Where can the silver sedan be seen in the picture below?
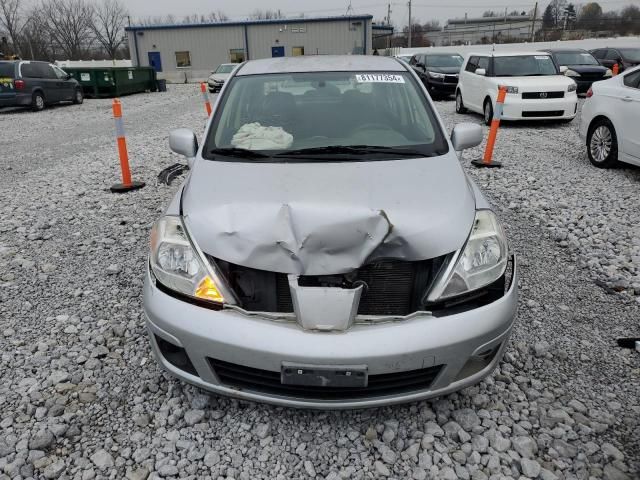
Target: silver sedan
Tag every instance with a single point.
(327, 250)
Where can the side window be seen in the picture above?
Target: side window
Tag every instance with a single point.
(483, 62)
(472, 64)
(47, 71)
(61, 74)
(183, 60)
(612, 55)
(29, 70)
(632, 80)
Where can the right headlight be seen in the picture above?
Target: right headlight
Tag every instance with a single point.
(436, 75)
(177, 265)
(571, 73)
(482, 260)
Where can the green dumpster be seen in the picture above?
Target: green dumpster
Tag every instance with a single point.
(114, 81)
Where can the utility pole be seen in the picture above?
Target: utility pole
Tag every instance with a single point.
(409, 42)
(389, 23)
(533, 23)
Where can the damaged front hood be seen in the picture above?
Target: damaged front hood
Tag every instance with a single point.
(327, 218)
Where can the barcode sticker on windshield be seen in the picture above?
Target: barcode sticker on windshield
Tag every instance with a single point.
(541, 57)
(379, 78)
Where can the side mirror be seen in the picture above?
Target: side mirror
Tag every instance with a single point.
(69, 76)
(480, 71)
(466, 135)
(184, 142)
(563, 69)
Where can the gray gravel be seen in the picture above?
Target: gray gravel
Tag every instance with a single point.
(82, 398)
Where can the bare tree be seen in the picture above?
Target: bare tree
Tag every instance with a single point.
(12, 21)
(267, 14)
(110, 17)
(69, 23)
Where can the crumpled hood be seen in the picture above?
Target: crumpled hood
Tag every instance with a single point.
(327, 218)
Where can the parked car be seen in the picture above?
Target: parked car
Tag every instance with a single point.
(580, 66)
(626, 57)
(36, 84)
(536, 90)
(439, 72)
(219, 75)
(610, 120)
(315, 259)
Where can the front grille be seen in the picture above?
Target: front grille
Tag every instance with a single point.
(450, 79)
(546, 113)
(266, 381)
(592, 76)
(542, 95)
(392, 287)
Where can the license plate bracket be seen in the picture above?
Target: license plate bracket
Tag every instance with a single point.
(331, 376)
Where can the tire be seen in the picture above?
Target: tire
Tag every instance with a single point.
(78, 96)
(602, 144)
(460, 108)
(37, 102)
(488, 112)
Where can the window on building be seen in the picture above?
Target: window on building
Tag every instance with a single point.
(183, 59)
(236, 55)
(297, 51)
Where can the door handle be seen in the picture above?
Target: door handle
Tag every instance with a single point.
(627, 99)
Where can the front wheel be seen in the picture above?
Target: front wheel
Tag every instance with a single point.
(602, 144)
(78, 96)
(460, 108)
(488, 112)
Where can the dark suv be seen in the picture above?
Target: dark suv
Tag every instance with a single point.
(36, 84)
(625, 57)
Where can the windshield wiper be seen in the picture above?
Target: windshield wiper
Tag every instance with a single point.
(238, 152)
(352, 150)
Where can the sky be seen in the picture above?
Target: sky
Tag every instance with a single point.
(423, 10)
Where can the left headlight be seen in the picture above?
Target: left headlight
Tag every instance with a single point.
(439, 76)
(608, 73)
(177, 265)
(482, 261)
(571, 73)
(573, 87)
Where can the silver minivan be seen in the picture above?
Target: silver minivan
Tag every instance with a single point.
(327, 249)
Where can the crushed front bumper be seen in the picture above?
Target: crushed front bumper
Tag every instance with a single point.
(458, 350)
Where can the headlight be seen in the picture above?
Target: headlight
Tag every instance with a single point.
(608, 73)
(439, 76)
(482, 261)
(178, 266)
(572, 88)
(571, 73)
(509, 89)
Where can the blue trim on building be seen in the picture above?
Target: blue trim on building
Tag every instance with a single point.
(136, 28)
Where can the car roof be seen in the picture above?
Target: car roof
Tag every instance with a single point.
(322, 63)
(564, 50)
(505, 54)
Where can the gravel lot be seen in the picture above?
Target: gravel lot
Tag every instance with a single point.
(82, 398)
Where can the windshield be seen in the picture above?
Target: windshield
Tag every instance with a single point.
(631, 54)
(330, 113)
(7, 69)
(576, 58)
(225, 68)
(444, 61)
(523, 66)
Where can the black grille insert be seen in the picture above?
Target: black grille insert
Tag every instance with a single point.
(450, 79)
(392, 287)
(266, 381)
(175, 355)
(542, 95)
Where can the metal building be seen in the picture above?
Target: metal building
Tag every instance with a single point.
(486, 30)
(189, 53)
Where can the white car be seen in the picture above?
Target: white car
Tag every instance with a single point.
(610, 120)
(536, 88)
(219, 75)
